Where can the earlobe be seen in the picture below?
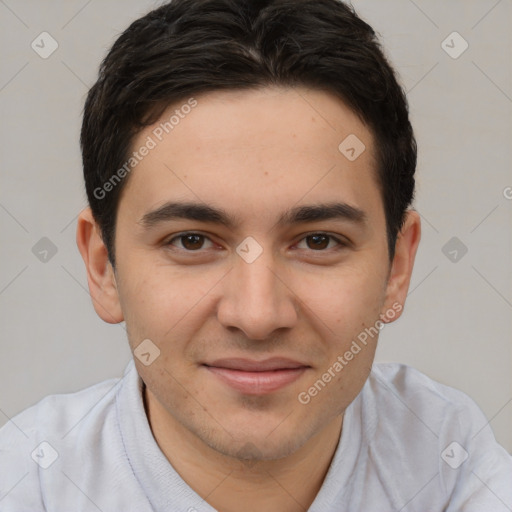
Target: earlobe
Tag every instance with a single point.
(401, 268)
(100, 274)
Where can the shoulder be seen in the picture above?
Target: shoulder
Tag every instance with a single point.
(410, 384)
(422, 427)
(58, 427)
(411, 400)
(59, 413)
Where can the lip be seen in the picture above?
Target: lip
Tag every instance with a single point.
(257, 377)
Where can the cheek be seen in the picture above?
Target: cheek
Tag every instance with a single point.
(162, 303)
(344, 300)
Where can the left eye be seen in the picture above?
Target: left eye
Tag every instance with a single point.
(190, 241)
(318, 242)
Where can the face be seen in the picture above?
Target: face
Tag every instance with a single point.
(252, 253)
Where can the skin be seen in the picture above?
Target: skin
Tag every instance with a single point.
(255, 154)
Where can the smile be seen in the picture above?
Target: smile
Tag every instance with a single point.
(257, 377)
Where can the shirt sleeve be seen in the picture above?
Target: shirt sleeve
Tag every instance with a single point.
(19, 472)
(475, 469)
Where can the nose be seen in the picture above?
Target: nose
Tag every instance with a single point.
(257, 299)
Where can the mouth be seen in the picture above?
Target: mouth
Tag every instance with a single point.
(256, 377)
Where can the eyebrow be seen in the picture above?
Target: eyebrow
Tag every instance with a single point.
(205, 213)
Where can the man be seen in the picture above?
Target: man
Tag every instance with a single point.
(249, 167)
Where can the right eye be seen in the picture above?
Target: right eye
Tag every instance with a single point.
(191, 242)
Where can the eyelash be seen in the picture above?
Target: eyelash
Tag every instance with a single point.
(340, 244)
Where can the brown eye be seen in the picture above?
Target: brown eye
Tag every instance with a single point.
(317, 242)
(192, 242)
(321, 242)
(189, 241)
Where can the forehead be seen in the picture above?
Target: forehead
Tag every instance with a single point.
(256, 149)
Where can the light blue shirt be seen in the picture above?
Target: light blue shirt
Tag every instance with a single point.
(408, 444)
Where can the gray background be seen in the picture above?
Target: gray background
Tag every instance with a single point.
(457, 325)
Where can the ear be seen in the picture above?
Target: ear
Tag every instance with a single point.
(401, 267)
(100, 274)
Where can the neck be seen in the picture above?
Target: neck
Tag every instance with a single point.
(289, 484)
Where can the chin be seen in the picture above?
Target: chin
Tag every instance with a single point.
(253, 449)
(255, 443)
